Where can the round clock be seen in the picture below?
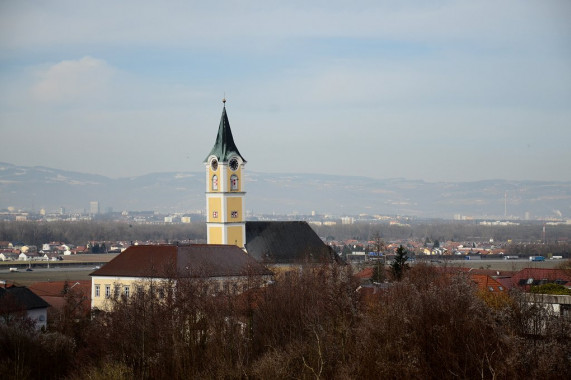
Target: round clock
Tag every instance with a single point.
(233, 164)
(214, 165)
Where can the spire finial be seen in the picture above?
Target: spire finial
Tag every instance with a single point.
(224, 99)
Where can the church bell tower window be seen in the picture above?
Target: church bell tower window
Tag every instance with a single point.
(234, 182)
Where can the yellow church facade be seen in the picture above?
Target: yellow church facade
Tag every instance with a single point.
(225, 219)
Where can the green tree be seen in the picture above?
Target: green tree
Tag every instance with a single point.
(399, 265)
(550, 289)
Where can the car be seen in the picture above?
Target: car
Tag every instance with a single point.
(29, 270)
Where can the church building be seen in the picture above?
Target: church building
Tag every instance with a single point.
(236, 250)
(225, 223)
(267, 242)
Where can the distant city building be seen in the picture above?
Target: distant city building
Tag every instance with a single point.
(347, 220)
(94, 208)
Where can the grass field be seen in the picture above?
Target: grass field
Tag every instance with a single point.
(66, 269)
(27, 278)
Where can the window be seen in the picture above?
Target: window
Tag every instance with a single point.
(234, 182)
(97, 290)
(501, 288)
(126, 291)
(491, 288)
(214, 214)
(234, 214)
(116, 291)
(214, 182)
(107, 291)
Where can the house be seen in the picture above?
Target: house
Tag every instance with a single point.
(528, 277)
(6, 245)
(224, 267)
(556, 305)
(49, 256)
(8, 255)
(19, 301)
(25, 257)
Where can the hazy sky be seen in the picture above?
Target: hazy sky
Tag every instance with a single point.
(433, 90)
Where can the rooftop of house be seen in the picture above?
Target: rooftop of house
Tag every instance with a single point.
(171, 261)
(537, 276)
(16, 298)
(54, 292)
(487, 283)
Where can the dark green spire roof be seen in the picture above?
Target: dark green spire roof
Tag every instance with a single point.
(224, 147)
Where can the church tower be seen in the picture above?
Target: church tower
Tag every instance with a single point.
(225, 221)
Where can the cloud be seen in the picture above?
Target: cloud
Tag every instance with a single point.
(73, 81)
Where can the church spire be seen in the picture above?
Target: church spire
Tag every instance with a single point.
(224, 147)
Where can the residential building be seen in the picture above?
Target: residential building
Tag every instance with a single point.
(21, 302)
(528, 277)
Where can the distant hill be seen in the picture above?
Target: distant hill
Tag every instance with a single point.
(33, 188)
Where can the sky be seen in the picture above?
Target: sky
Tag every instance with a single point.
(428, 90)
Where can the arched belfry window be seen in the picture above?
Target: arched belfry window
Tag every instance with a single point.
(233, 182)
(214, 182)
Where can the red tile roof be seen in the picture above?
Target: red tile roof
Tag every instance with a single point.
(538, 274)
(56, 288)
(53, 292)
(195, 260)
(487, 283)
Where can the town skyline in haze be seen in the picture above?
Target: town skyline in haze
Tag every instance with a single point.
(437, 91)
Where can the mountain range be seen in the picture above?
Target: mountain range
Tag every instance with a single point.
(35, 188)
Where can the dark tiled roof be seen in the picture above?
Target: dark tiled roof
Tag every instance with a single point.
(224, 147)
(286, 243)
(196, 260)
(20, 297)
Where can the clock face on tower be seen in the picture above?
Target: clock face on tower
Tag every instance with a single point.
(233, 164)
